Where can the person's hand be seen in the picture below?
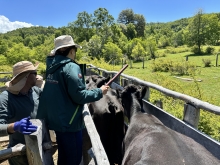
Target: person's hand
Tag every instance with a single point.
(104, 89)
(24, 126)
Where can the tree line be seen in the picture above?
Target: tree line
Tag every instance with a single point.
(101, 36)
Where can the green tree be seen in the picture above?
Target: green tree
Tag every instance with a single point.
(139, 23)
(126, 16)
(111, 52)
(212, 29)
(196, 31)
(177, 39)
(131, 32)
(20, 53)
(138, 52)
(151, 47)
(95, 47)
(102, 17)
(163, 41)
(3, 47)
(83, 26)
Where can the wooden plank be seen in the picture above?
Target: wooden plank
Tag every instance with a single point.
(18, 149)
(187, 79)
(5, 72)
(38, 145)
(98, 149)
(4, 139)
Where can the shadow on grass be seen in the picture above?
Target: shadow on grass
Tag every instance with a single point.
(195, 55)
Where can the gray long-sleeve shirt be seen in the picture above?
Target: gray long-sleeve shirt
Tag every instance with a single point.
(15, 107)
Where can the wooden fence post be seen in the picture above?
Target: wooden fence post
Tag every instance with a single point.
(130, 64)
(216, 62)
(124, 82)
(38, 145)
(147, 95)
(191, 115)
(104, 74)
(159, 104)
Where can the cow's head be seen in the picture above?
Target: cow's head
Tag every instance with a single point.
(131, 98)
(96, 81)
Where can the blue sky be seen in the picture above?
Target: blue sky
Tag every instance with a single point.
(59, 13)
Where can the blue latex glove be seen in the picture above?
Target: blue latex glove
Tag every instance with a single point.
(24, 126)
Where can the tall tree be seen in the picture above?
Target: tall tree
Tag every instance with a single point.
(196, 31)
(131, 32)
(95, 47)
(139, 23)
(138, 52)
(126, 16)
(151, 47)
(83, 26)
(212, 29)
(112, 52)
(102, 17)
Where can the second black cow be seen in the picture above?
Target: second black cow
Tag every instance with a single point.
(107, 114)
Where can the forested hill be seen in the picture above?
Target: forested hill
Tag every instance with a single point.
(102, 36)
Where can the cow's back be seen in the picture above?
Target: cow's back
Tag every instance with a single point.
(148, 141)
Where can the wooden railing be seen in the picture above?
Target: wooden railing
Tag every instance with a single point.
(192, 105)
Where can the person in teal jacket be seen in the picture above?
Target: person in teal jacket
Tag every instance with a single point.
(63, 99)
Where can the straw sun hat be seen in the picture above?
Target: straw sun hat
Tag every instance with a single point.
(21, 70)
(62, 42)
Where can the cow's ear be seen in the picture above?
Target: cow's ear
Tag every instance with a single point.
(107, 79)
(87, 81)
(143, 91)
(87, 78)
(94, 79)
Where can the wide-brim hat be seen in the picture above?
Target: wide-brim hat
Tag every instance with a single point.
(21, 67)
(64, 41)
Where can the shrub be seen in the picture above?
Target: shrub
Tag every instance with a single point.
(209, 50)
(175, 68)
(195, 49)
(206, 62)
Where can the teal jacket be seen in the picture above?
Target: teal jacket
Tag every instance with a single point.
(64, 95)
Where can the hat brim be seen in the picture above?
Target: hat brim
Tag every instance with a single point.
(68, 45)
(7, 84)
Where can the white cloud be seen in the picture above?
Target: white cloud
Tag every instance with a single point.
(6, 25)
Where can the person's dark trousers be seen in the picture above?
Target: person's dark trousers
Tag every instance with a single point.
(69, 148)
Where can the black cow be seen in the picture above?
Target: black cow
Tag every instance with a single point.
(149, 141)
(108, 117)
